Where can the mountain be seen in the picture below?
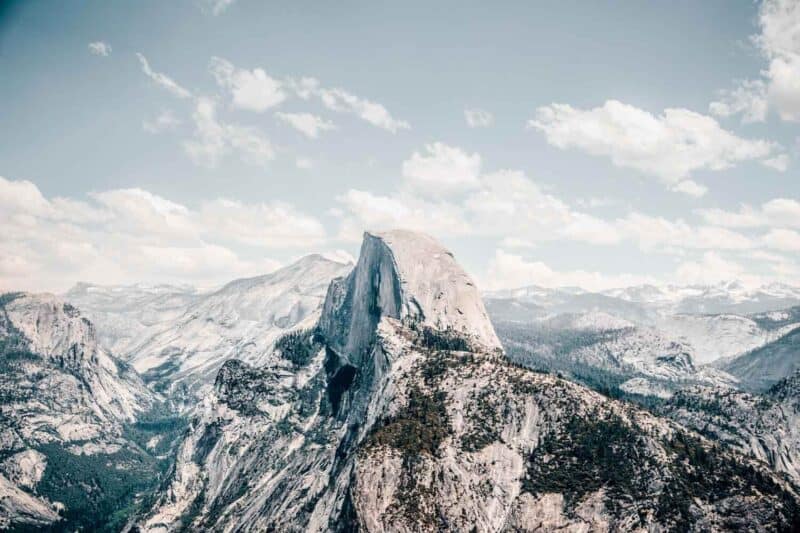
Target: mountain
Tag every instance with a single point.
(764, 366)
(241, 320)
(399, 412)
(125, 314)
(65, 404)
(721, 336)
(528, 304)
(730, 297)
(633, 341)
(607, 353)
(767, 426)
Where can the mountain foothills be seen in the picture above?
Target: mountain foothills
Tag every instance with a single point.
(390, 395)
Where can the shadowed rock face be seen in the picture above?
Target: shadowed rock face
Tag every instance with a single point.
(405, 276)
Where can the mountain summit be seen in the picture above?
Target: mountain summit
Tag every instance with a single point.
(407, 276)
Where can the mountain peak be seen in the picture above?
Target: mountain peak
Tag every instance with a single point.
(403, 275)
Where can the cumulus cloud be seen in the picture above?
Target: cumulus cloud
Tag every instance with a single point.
(778, 41)
(306, 123)
(127, 235)
(100, 48)
(267, 225)
(213, 140)
(508, 206)
(779, 162)
(748, 98)
(478, 118)
(166, 120)
(442, 169)
(670, 146)
(162, 80)
(712, 268)
(507, 271)
(253, 90)
(785, 240)
(775, 213)
(361, 210)
(691, 188)
(659, 233)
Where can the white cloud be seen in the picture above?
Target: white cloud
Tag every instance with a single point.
(711, 268)
(509, 204)
(344, 102)
(217, 7)
(785, 240)
(478, 118)
(660, 234)
(100, 48)
(253, 90)
(779, 162)
(507, 270)
(365, 210)
(779, 85)
(745, 217)
(748, 98)
(306, 123)
(691, 188)
(783, 211)
(304, 163)
(273, 225)
(776, 212)
(214, 140)
(163, 80)
(442, 169)
(129, 235)
(257, 91)
(512, 208)
(166, 120)
(304, 87)
(670, 146)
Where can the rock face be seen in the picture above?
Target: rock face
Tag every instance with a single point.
(766, 427)
(241, 320)
(60, 393)
(400, 413)
(765, 366)
(609, 354)
(126, 314)
(406, 276)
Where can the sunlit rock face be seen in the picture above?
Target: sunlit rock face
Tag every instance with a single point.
(403, 275)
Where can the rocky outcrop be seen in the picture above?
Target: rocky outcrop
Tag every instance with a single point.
(61, 396)
(766, 427)
(241, 321)
(409, 277)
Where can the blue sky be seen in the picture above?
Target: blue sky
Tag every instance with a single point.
(570, 143)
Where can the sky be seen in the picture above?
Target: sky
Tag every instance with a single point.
(592, 144)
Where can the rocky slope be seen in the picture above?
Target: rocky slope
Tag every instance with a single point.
(762, 367)
(241, 320)
(63, 398)
(608, 353)
(766, 426)
(399, 412)
(126, 314)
